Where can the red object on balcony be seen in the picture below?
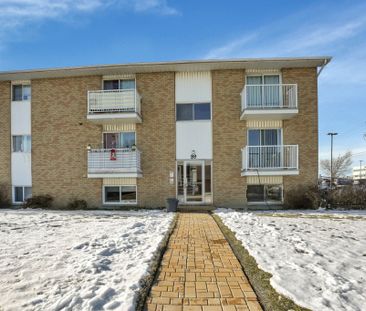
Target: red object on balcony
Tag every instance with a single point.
(113, 156)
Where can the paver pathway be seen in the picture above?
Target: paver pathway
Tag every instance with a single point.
(199, 271)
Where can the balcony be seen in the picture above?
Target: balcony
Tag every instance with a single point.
(113, 106)
(104, 163)
(270, 160)
(269, 101)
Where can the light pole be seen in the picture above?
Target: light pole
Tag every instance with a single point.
(360, 168)
(331, 158)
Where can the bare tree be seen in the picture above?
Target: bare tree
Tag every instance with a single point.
(341, 165)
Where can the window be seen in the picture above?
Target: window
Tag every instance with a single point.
(264, 137)
(263, 90)
(201, 111)
(120, 194)
(22, 193)
(119, 84)
(21, 92)
(22, 143)
(119, 140)
(264, 193)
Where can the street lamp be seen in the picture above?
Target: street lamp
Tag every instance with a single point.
(360, 169)
(331, 158)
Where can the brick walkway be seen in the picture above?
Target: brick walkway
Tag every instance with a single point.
(200, 272)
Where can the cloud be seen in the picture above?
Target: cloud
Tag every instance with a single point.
(230, 48)
(303, 37)
(15, 14)
(158, 6)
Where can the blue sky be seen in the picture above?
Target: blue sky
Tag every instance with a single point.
(47, 33)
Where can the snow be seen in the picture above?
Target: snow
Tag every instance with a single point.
(76, 260)
(319, 262)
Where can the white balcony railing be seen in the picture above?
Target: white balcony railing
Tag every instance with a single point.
(105, 161)
(269, 96)
(282, 157)
(114, 101)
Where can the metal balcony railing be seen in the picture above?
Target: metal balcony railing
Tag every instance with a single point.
(269, 96)
(114, 101)
(111, 161)
(280, 157)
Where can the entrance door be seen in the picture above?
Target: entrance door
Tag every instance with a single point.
(190, 181)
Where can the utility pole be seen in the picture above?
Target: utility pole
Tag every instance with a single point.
(360, 168)
(331, 134)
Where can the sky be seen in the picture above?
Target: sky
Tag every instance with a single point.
(49, 33)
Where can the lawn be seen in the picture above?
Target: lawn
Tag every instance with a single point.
(316, 259)
(86, 260)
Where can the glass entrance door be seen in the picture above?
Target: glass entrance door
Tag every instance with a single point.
(194, 184)
(190, 181)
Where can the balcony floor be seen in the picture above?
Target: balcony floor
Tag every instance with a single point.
(114, 173)
(268, 114)
(114, 117)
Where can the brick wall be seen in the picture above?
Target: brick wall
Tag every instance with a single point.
(60, 134)
(229, 137)
(156, 138)
(303, 128)
(5, 139)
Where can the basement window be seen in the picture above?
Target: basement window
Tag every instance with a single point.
(120, 195)
(20, 194)
(264, 193)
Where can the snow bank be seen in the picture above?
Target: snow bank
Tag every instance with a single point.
(320, 263)
(76, 260)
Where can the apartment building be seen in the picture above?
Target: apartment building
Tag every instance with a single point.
(221, 132)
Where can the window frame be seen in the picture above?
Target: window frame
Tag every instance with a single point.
(118, 133)
(266, 201)
(120, 202)
(23, 193)
(193, 111)
(22, 151)
(119, 84)
(22, 85)
(262, 75)
(260, 136)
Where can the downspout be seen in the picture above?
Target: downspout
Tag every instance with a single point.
(326, 61)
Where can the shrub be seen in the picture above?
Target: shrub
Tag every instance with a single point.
(4, 196)
(348, 197)
(39, 201)
(77, 204)
(303, 197)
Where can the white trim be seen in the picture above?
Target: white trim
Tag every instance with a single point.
(115, 117)
(268, 114)
(279, 172)
(121, 201)
(115, 175)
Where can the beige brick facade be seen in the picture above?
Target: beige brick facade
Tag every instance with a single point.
(156, 138)
(302, 129)
(229, 137)
(60, 134)
(5, 138)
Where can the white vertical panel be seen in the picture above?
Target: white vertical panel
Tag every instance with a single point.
(194, 135)
(193, 87)
(21, 118)
(21, 169)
